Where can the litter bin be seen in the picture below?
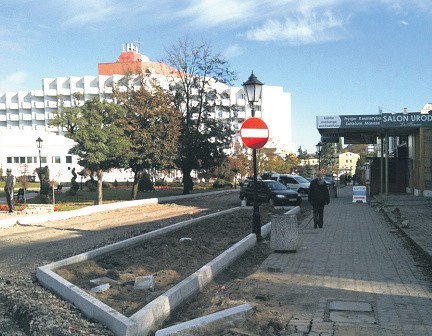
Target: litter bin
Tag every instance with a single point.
(284, 236)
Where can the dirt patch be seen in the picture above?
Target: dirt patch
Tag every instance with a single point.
(169, 258)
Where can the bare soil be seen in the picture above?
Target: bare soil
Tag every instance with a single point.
(170, 259)
(25, 247)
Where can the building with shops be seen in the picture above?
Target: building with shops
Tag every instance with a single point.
(403, 142)
(24, 116)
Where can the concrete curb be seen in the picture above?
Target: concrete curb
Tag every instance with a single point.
(209, 323)
(223, 319)
(396, 222)
(153, 314)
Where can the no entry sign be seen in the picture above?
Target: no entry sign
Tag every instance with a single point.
(254, 133)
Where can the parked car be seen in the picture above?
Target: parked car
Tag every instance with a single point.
(296, 182)
(269, 191)
(329, 179)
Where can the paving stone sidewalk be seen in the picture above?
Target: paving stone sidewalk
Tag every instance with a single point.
(355, 276)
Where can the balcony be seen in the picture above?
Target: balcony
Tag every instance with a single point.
(26, 116)
(26, 105)
(13, 117)
(51, 92)
(51, 104)
(37, 93)
(92, 90)
(241, 102)
(64, 92)
(40, 105)
(241, 115)
(40, 116)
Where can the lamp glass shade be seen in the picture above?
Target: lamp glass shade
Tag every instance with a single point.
(253, 89)
(39, 142)
(319, 146)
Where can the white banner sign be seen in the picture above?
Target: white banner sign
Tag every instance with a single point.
(359, 194)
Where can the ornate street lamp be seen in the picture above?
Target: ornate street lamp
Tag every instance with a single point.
(319, 147)
(39, 145)
(253, 90)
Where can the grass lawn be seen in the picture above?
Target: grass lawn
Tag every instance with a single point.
(85, 197)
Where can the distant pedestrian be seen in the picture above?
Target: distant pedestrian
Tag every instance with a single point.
(318, 197)
(9, 188)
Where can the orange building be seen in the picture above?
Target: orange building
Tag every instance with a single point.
(131, 61)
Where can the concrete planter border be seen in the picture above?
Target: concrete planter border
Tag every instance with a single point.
(151, 316)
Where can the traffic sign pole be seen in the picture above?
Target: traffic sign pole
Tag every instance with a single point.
(254, 134)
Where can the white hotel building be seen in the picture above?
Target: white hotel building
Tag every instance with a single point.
(24, 117)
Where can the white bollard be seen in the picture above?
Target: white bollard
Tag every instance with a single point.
(284, 235)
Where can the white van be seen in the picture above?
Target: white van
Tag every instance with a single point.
(296, 182)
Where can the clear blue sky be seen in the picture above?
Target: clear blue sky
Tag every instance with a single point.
(334, 56)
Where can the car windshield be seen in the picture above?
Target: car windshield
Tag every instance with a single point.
(301, 179)
(273, 185)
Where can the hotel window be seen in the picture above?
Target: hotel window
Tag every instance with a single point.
(56, 159)
(29, 159)
(16, 159)
(68, 159)
(43, 159)
(9, 159)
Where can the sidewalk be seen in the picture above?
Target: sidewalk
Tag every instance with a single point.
(355, 276)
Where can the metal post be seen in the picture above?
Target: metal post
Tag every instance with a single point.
(382, 167)
(39, 145)
(253, 89)
(40, 173)
(256, 216)
(386, 164)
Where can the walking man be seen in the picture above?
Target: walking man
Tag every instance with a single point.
(9, 188)
(318, 197)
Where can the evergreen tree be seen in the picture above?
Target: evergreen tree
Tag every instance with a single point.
(100, 142)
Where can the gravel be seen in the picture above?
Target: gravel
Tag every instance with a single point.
(26, 308)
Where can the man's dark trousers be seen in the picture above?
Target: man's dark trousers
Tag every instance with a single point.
(9, 198)
(318, 215)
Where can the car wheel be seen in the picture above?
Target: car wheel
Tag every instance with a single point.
(248, 201)
(301, 191)
(271, 202)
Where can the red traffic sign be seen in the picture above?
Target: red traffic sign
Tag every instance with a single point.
(254, 133)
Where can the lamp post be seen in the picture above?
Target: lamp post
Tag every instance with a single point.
(253, 90)
(319, 147)
(39, 145)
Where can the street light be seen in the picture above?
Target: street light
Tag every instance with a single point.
(319, 147)
(39, 145)
(253, 90)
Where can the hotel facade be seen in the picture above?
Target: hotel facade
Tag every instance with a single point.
(24, 116)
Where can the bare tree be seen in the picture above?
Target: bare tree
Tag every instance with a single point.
(198, 85)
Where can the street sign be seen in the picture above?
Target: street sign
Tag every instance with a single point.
(254, 133)
(359, 194)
